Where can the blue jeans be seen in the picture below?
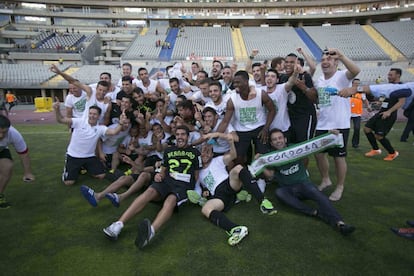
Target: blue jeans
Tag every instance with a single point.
(292, 195)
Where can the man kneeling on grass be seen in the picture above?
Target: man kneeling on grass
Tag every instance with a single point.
(81, 149)
(220, 188)
(179, 173)
(294, 186)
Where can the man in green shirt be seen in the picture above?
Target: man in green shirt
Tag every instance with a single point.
(294, 185)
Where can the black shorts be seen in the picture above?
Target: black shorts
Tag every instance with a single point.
(73, 166)
(171, 186)
(151, 160)
(108, 161)
(225, 193)
(245, 140)
(381, 126)
(5, 154)
(336, 152)
(301, 129)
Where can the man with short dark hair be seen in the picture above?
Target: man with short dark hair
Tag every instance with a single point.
(216, 70)
(381, 123)
(245, 111)
(82, 146)
(301, 102)
(294, 186)
(334, 114)
(10, 136)
(179, 173)
(126, 71)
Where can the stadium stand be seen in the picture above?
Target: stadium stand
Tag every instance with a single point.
(400, 34)
(272, 41)
(203, 42)
(351, 39)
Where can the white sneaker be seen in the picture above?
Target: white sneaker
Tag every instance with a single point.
(113, 230)
(237, 234)
(262, 185)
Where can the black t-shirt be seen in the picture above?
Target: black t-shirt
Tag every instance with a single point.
(298, 104)
(181, 163)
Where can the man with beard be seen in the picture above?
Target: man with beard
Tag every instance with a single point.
(216, 70)
(151, 88)
(179, 173)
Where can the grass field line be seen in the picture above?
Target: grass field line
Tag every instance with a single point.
(34, 133)
(66, 132)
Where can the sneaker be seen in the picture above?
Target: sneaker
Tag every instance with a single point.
(193, 196)
(114, 198)
(346, 229)
(392, 156)
(145, 234)
(267, 207)
(243, 195)
(128, 172)
(407, 233)
(237, 234)
(373, 153)
(4, 204)
(112, 231)
(89, 195)
(196, 198)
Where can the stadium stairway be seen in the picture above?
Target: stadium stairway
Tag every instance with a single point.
(387, 47)
(313, 47)
(144, 31)
(240, 52)
(59, 78)
(165, 54)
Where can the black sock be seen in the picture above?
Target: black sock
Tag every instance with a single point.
(220, 220)
(250, 184)
(387, 145)
(372, 140)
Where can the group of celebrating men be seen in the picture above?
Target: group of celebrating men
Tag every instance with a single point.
(191, 135)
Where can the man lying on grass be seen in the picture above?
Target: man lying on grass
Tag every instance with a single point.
(220, 188)
(294, 185)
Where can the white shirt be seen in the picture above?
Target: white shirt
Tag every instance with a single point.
(221, 107)
(13, 137)
(84, 138)
(111, 142)
(279, 98)
(152, 87)
(92, 101)
(334, 111)
(77, 104)
(248, 115)
(214, 174)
